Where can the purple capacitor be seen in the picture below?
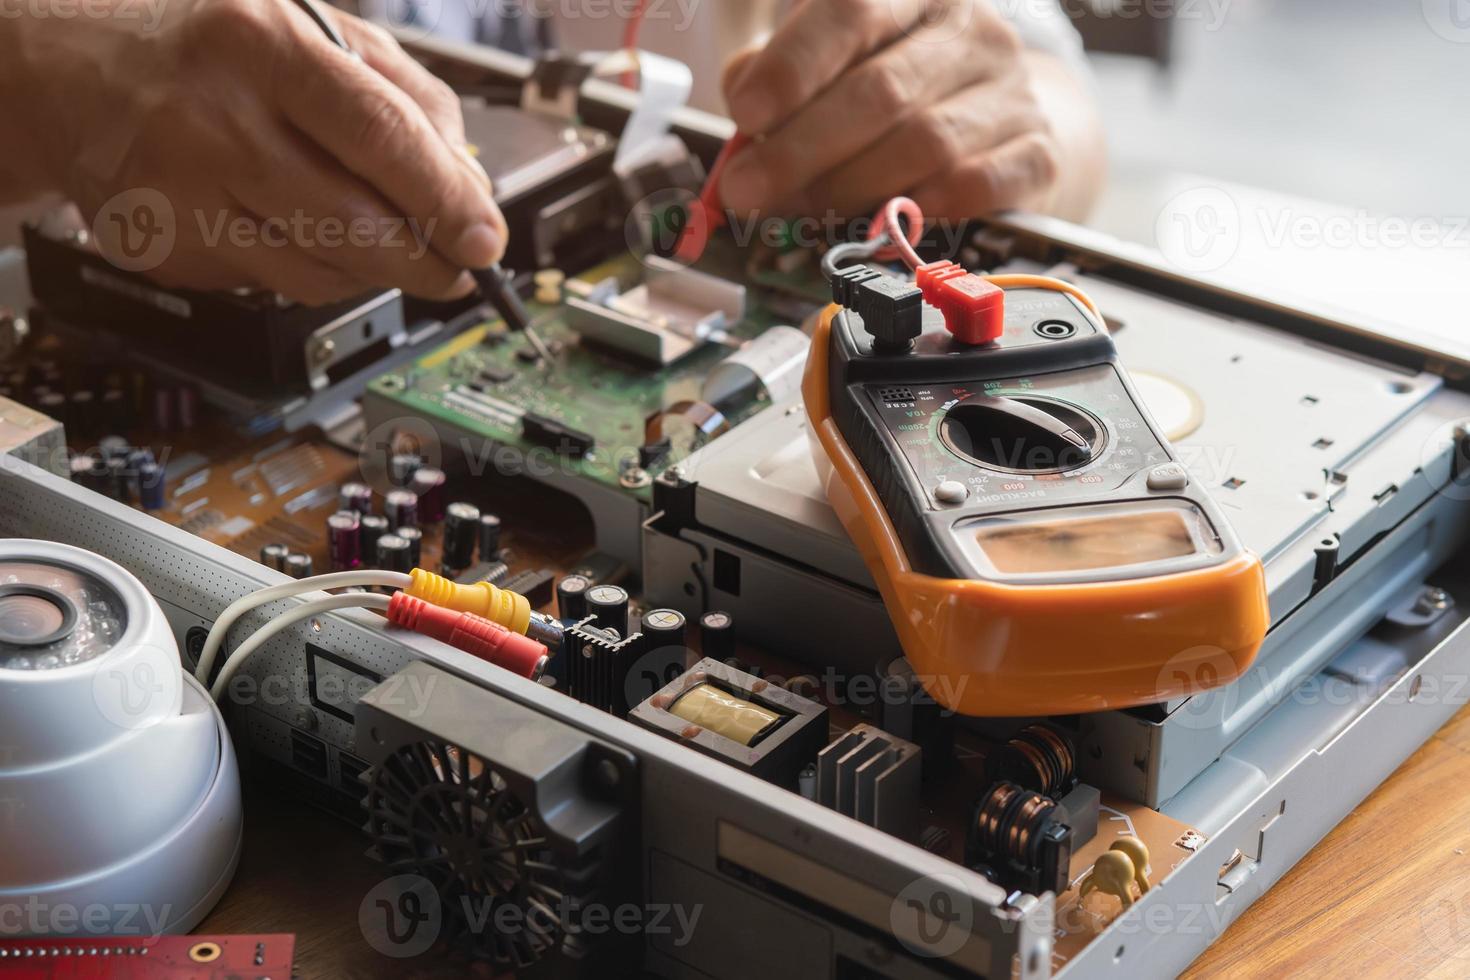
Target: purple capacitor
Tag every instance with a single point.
(401, 507)
(344, 544)
(355, 496)
(163, 410)
(428, 483)
(187, 405)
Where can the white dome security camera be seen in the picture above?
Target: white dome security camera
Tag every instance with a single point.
(119, 793)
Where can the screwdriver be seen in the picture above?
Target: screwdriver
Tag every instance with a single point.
(495, 283)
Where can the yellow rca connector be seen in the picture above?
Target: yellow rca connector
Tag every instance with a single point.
(502, 606)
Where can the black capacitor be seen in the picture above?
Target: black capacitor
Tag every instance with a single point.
(357, 497)
(81, 470)
(274, 556)
(119, 479)
(111, 446)
(371, 527)
(54, 404)
(99, 479)
(401, 508)
(717, 635)
(461, 529)
(117, 409)
(664, 628)
(81, 410)
(429, 484)
(489, 537)
(571, 597)
(394, 554)
(344, 549)
(298, 565)
(609, 603)
(401, 467)
(152, 486)
(415, 539)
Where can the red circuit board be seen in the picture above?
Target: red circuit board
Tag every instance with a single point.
(246, 957)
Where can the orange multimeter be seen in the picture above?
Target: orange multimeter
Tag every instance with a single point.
(1037, 543)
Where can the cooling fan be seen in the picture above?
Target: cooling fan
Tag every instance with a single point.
(518, 822)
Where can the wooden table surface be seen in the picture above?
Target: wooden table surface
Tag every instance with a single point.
(1387, 893)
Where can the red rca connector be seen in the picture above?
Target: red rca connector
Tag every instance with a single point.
(974, 309)
(473, 634)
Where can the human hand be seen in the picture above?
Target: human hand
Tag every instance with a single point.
(859, 101)
(287, 163)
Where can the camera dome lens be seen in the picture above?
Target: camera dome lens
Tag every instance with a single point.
(32, 616)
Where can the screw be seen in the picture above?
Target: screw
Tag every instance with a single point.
(1433, 600)
(322, 349)
(634, 477)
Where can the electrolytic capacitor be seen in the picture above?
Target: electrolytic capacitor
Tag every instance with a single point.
(394, 554)
(119, 480)
(163, 410)
(401, 468)
(53, 404)
(571, 597)
(489, 537)
(371, 527)
(81, 410)
(415, 539)
(401, 508)
(355, 496)
(663, 628)
(274, 556)
(152, 493)
(298, 565)
(114, 445)
(80, 467)
(609, 603)
(461, 529)
(717, 635)
(344, 549)
(186, 408)
(429, 484)
(117, 409)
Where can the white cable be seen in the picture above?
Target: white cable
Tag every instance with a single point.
(242, 605)
(266, 633)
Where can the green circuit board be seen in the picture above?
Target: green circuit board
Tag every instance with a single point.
(484, 381)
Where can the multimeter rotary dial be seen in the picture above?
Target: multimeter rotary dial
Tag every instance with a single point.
(1027, 434)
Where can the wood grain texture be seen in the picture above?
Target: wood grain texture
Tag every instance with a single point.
(1386, 894)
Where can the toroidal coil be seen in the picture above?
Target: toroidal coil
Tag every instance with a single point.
(723, 713)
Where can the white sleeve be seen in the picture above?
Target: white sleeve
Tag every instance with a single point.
(1045, 26)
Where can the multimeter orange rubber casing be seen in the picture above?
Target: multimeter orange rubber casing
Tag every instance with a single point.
(988, 643)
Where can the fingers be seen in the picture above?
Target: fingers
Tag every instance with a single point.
(379, 133)
(818, 41)
(384, 54)
(1020, 173)
(926, 145)
(859, 110)
(343, 223)
(286, 269)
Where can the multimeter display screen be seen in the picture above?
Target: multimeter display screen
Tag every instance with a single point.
(1085, 544)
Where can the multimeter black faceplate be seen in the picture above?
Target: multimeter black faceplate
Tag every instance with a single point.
(1031, 459)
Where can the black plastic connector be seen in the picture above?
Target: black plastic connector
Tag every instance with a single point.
(891, 308)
